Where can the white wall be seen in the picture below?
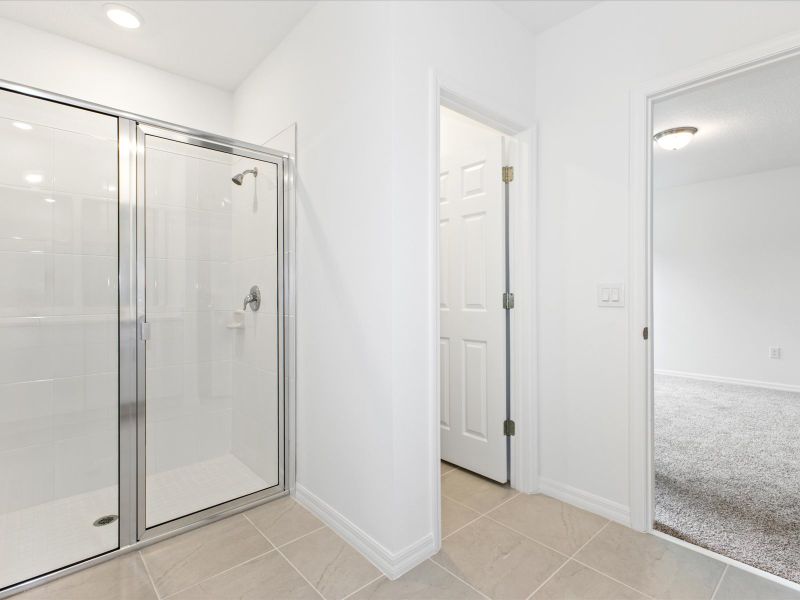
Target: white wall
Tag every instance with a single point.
(356, 78)
(53, 63)
(725, 285)
(331, 75)
(585, 70)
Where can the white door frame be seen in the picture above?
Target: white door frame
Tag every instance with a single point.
(640, 380)
(524, 359)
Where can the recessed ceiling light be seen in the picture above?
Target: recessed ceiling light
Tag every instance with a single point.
(34, 178)
(675, 138)
(21, 125)
(49, 200)
(123, 16)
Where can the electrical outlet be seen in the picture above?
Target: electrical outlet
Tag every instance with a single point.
(774, 352)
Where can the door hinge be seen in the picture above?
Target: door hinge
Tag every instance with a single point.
(508, 427)
(145, 331)
(646, 333)
(508, 300)
(508, 174)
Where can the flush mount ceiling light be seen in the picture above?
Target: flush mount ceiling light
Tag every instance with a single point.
(21, 125)
(34, 178)
(675, 138)
(123, 16)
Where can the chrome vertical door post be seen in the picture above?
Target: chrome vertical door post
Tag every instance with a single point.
(141, 366)
(127, 332)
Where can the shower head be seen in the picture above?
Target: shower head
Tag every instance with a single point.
(237, 179)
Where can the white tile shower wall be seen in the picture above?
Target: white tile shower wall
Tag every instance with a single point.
(255, 387)
(189, 304)
(58, 302)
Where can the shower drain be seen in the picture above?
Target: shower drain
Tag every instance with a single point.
(106, 520)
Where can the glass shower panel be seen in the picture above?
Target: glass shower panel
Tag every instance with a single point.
(212, 413)
(58, 336)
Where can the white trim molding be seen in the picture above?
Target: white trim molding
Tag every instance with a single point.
(768, 385)
(585, 500)
(391, 564)
(640, 355)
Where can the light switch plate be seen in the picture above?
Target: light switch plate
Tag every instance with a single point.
(611, 295)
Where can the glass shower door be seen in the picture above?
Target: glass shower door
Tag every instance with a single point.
(213, 423)
(59, 316)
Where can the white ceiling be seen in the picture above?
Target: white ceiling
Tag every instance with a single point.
(746, 123)
(538, 15)
(216, 42)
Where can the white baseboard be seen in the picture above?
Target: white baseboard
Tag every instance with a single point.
(391, 564)
(585, 500)
(784, 387)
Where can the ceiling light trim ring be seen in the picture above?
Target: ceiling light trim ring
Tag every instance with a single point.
(122, 16)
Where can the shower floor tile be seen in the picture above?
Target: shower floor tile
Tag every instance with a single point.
(49, 536)
(178, 492)
(52, 535)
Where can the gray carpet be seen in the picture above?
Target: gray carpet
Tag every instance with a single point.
(727, 461)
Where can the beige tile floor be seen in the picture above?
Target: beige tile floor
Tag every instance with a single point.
(496, 544)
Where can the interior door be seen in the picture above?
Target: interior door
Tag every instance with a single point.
(213, 419)
(472, 281)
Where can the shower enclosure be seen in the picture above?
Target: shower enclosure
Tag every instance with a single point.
(142, 316)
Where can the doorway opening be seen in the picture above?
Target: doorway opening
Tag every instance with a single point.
(718, 295)
(474, 296)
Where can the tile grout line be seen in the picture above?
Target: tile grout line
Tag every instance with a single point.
(516, 493)
(300, 537)
(480, 514)
(596, 533)
(449, 471)
(149, 575)
(719, 583)
(455, 531)
(467, 583)
(369, 583)
(567, 557)
(566, 562)
(612, 578)
(278, 550)
(571, 557)
(236, 566)
(544, 583)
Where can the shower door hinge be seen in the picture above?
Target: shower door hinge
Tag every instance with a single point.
(508, 300)
(508, 174)
(145, 331)
(508, 427)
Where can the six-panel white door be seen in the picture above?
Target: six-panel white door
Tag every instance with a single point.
(472, 281)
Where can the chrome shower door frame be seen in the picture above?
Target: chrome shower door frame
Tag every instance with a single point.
(131, 129)
(218, 511)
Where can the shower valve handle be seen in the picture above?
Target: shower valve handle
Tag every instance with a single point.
(253, 299)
